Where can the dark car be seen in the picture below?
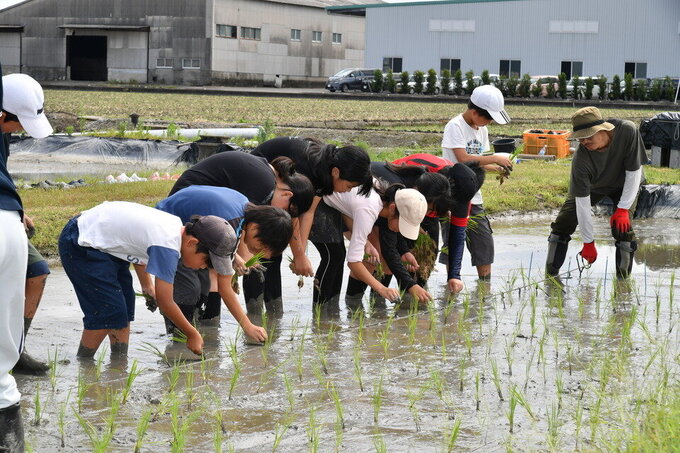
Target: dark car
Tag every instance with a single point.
(349, 79)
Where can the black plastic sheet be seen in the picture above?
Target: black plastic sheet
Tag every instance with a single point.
(654, 201)
(662, 130)
(106, 149)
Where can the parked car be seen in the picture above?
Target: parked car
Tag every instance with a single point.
(349, 79)
(544, 81)
(412, 85)
(476, 80)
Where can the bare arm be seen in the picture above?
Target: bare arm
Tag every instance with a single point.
(231, 301)
(298, 242)
(463, 157)
(145, 280)
(169, 308)
(360, 272)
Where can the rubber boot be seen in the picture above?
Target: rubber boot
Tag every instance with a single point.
(11, 429)
(26, 363)
(211, 308)
(354, 295)
(188, 311)
(625, 251)
(557, 253)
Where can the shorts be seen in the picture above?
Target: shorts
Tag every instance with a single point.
(479, 239)
(37, 265)
(190, 284)
(102, 282)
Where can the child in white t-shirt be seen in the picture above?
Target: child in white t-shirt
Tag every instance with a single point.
(98, 246)
(465, 139)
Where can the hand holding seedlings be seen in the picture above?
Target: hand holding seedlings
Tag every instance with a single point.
(195, 343)
(255, 333)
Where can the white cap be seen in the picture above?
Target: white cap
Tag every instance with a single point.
(23, 97)
(490, 98)
(412, 208)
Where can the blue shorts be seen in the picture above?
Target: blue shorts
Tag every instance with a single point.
(103, 283)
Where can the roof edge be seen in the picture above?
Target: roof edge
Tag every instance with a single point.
(431, 2)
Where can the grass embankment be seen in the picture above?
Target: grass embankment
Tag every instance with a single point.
(533, 186)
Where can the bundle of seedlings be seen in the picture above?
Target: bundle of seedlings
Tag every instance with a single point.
(425, 252)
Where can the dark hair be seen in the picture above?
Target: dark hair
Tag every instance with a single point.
(200, 245)
(274, 226)
(10, 116)
(352, 162)
(406, 170)
(464, 183)
(435, 188)
(300, 185)
(480, 111)
(388, 192)
(479, 172)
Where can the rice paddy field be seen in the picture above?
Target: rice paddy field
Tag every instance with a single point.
(520, 363)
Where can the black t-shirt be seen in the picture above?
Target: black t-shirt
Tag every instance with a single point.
(297, 150)
(380, 170)
(250, 175)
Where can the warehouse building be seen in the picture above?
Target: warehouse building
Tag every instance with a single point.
(578, 37)
(179, 41)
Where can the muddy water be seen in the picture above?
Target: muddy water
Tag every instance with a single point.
(585, 347)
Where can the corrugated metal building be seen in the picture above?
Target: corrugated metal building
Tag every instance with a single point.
(179, 41)
(579, 37)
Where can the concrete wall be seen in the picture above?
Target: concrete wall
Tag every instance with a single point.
(177, 30)
(10, 51)
(275, 53)
(480, 34)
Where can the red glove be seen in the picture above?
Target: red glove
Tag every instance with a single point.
(620, 220)
(588, 252)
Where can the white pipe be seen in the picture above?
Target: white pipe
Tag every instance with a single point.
(246, 132)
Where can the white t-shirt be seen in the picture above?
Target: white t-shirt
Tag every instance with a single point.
(459, 134)
(363, 211)
(135, 233)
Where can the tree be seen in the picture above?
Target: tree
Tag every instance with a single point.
(458, 79)
(446, 81)
(431, 81)
(562, 85)
(418, 78)
(404, 82)
(470, 85)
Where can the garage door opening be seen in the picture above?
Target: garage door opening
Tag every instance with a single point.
(86, 55)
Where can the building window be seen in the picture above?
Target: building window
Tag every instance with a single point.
(316, 36)
(574, 26)
(166, 63)
(337, 38)
(393, 63)
(509, 68)
(464, 26)
(639, 70)
(572, 68)
(226, 31)
(295, 34)
(250, 33)
(452, 64)
(191, 63)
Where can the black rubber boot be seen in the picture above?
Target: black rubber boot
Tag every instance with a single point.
(625, 252)
(354, 295)
(557, 253)
(212, 306)
(26, 363)
(11, 429)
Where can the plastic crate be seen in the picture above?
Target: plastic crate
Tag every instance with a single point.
(555, 142)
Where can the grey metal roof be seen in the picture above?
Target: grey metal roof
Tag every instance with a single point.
(4, 4)
(348, 5)
(327, 3)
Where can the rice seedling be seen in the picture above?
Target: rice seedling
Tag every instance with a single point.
(173, 377)
(81, 391)
(384, 336)
(290, 395)
(189, 386)
(553, 436)
(153, 349)
(299, 358)
(280, 430)
(559, 388)
(521, 399)
(412, 324)
(496, 378)
(452, 436)
(313, 431)
(462, 367)
(101, 438)
(266, 346)
(413, 398)
(132, 375)
(293, 327)
(357, 367)
(218, 434)
(179, 426)
(509, 346)
(527, 369)
(510, 413)
(321, 348)
(254, 261)
(61, 422)
(447, 310)
(54, 363)
(142, 428)
(236, 362)
(379, 442)
(37, 406)
(377, 398)
(578, 422)
(339, 414)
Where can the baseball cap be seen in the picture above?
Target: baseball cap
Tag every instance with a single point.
(587, 122)
(219, 238)
(412, 208)
(490, 98)
(24, 97)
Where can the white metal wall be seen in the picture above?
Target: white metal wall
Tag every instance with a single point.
(627, 31)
